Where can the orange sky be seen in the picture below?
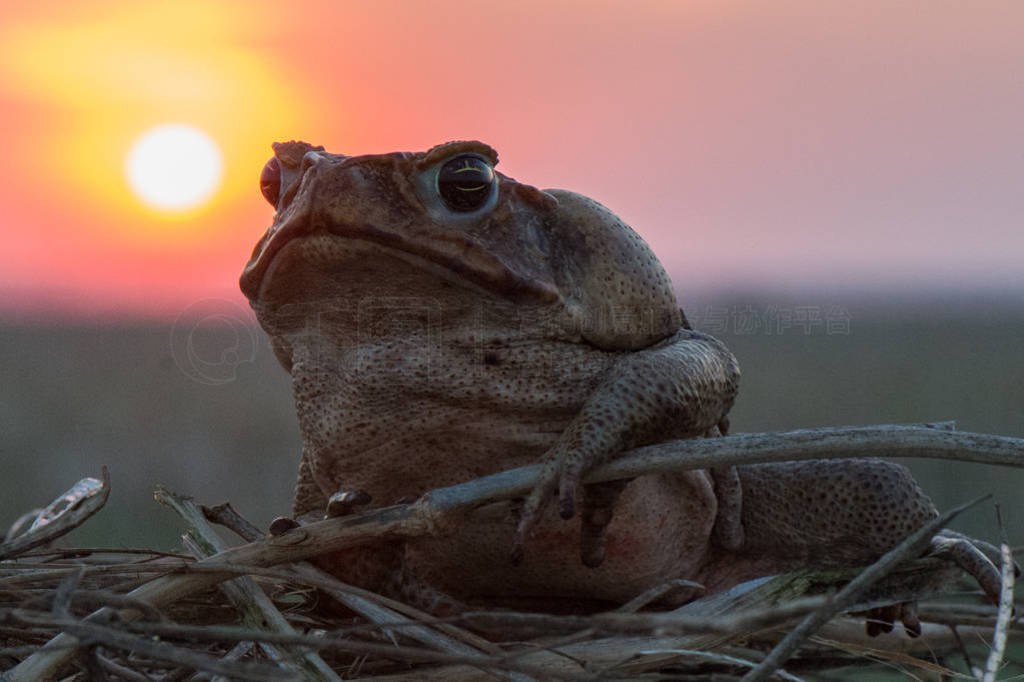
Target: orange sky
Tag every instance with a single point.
(753, 144)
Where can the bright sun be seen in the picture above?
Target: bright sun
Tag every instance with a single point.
(174, 167)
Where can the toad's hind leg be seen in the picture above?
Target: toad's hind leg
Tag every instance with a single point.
(845, 513)
(829, 513)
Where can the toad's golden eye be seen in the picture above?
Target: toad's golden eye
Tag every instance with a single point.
(464, 183)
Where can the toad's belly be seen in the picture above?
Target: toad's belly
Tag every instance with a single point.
(660, 531)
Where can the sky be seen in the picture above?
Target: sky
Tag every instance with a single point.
(815, 144)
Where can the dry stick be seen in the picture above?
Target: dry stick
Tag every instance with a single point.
(247, 597)
(845, 442)
(654, 594)
(914, 545)
(901, 661)
(823, 443)
(665, 624)
(444, 506)
(237, 651)
(68, 511)
(113, 666)
(162, 651)
(995, 656)
(62, 596)
(722, 658)
(83, 552)
(27, 578)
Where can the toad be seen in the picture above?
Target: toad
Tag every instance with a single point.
(442, 321)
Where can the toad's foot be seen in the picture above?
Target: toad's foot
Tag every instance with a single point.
(974, 557)
(977, 558)
(881, 620)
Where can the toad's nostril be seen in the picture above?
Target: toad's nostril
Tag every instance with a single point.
(270, 181)
(310, 159)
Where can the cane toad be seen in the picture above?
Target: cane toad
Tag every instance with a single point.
(442, 321)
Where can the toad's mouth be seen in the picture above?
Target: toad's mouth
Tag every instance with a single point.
(453, 251)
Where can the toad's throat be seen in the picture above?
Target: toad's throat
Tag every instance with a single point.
(451, 250)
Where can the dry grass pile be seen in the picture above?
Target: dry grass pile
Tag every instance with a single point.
(257, 611)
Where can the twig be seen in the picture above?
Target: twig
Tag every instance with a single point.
(81, 552)
(654, 594)
(914, 545)
(893, 440)
(65, 513)
(662, 623)
(121, 671)
(96, 599)
(237, 651)
(62, 597)
(889, 440)
(162, 651)
(890, 657)
(995, 656)
(26, 577)
(722, 658)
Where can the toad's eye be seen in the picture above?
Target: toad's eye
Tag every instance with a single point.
(464, 183)
(270, 181)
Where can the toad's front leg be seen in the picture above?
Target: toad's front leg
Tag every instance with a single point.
(681, 387)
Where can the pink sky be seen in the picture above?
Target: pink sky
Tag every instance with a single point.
(784, 144)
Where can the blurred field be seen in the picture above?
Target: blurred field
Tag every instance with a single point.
(206, 410)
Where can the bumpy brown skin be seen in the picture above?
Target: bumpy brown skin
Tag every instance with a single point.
(429, 346)
(870, 506)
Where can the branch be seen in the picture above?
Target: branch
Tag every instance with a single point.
(835, 442)
(995, 657)
(64, 514)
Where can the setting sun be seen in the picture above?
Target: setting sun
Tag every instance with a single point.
(174, 167)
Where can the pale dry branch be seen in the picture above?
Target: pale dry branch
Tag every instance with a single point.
(65, 513)
(995, 657)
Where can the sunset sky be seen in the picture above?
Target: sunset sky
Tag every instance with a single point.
(753, 144)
